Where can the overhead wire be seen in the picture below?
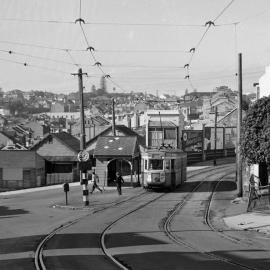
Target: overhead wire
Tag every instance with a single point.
(123, 51)
(223, 10)
(10, 52)
(98, 64)
(208, 25)
(31, 65)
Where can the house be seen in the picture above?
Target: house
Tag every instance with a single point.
(120, 130)
(21, 169)
(94, 125)
(57, 107)
(38, 129)
(3, 121)
(191, 109)
(117, 154)
(60, 153)
(6, 139)
(164, 126)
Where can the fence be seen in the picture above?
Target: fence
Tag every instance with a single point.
(194, 157)
(59, 178)
(258, 198)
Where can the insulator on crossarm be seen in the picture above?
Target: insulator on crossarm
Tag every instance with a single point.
(187, 77)
(186, 65)
(98, 64)
(192, 50)
(91, 49)
(209, 23)
(80, 20)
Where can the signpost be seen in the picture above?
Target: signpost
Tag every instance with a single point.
(83, 156)
(66, 190)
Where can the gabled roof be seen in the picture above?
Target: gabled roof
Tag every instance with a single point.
(111, 146)
(9, 136)
(66, 138)
(122, 128)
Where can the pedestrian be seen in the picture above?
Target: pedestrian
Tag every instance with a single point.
(95, 180)
(119, 181)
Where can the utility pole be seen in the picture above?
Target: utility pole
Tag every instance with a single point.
(215, 161)
(82, 156)
(113, 118)
(239, 122)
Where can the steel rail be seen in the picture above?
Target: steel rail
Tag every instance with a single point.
(177, 240)
(109, 227)
(38, 258)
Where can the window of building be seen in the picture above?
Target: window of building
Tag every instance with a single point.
(169, 134)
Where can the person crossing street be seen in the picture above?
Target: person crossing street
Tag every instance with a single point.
(119, 181)
(95, 180)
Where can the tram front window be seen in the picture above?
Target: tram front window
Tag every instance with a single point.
(156, 164)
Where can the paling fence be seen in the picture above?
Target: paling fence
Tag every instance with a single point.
(259, 198)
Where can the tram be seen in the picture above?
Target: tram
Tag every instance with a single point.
(164, 168)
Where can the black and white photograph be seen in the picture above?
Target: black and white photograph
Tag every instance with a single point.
(134, 134)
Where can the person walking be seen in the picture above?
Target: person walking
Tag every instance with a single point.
(95, 180)
(119, 181)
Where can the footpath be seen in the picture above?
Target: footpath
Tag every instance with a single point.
(234, 212)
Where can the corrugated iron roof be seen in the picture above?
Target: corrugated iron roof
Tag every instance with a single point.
(116, 146)
(69, 140)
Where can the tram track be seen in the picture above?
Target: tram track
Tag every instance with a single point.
(123, 265)
(39, 258)
(178, 241)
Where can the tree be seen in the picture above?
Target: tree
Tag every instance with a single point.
(255, 141)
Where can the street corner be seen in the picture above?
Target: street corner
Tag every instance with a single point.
(251, 221)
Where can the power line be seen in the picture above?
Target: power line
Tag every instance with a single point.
(102, 23)
(25, 64)
(98, 64)
(72, 59)
(140, 51)
(223, 10)
(38, 46)
(34, 56)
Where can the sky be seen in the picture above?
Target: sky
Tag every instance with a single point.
(143, 45)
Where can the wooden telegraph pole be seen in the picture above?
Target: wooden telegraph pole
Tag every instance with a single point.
(83, 156)
(239, 122)
(113, 118)
(215, 158)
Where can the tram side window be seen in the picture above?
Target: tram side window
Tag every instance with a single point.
(155, 164)
(145, 164)
(167, 164)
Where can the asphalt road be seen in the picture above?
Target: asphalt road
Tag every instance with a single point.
(155, 230)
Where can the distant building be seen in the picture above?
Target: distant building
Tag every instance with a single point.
(57, 107)
(21, 169)
(264, 83)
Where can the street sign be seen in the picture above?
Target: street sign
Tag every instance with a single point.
(83, 156)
